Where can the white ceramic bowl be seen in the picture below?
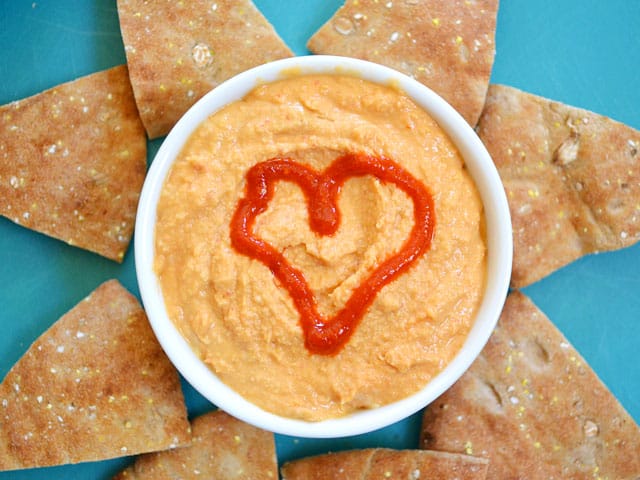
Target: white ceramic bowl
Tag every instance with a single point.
(499, 238)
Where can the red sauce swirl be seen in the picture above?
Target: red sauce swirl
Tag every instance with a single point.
(324, 335)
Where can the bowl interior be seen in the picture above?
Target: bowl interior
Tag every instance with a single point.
(499, 243)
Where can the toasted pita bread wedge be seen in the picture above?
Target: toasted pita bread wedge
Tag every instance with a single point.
(73, 160)
(534, 408)
(178, 51)
(222, 447)
(572, 179)
(96, 385)
(377, 463)
(449, 45)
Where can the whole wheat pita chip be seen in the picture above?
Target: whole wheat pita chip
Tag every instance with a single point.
(222, 447)
(572, 179)
(381, 463)
(448, 45)
(534, 408)
(178, 51)
(73, 160)
(96, 385)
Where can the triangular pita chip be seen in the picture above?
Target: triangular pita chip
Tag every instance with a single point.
(73, 160)
(534, 408)
(96, 385)
(178, 51)
(222, 447)
(572, 179)
(381, 463)
(449, 45)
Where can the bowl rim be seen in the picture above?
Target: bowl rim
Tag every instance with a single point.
(499, 247)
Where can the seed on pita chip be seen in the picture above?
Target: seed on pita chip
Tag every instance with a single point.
(96, 385)
(448, 45)
(534, 408)
(572, 179)
(381, 463)
(178, 51)
(222, 447)
(73, 160)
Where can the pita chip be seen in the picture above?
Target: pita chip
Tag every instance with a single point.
(448, 45)
(534, 408)
(73, 160)
(380, 463)
(178, 51)
(95, 386)
(572, 179)
(222, 447)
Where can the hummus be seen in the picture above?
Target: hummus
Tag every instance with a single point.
(238, 317)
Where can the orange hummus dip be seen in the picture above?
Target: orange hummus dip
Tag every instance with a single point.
(238, 317)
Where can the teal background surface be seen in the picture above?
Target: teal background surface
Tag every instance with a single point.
(581, 52)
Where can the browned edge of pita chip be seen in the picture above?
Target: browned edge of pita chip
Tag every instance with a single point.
(448, 45)
(73, 162)
(96, 385)
(178, 51)
(376, 463)
(222, 447)
(572, 179)
(534, 408)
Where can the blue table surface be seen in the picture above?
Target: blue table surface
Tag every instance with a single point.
(584, 53)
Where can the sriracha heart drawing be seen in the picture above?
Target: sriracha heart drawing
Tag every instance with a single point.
(323, 335)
